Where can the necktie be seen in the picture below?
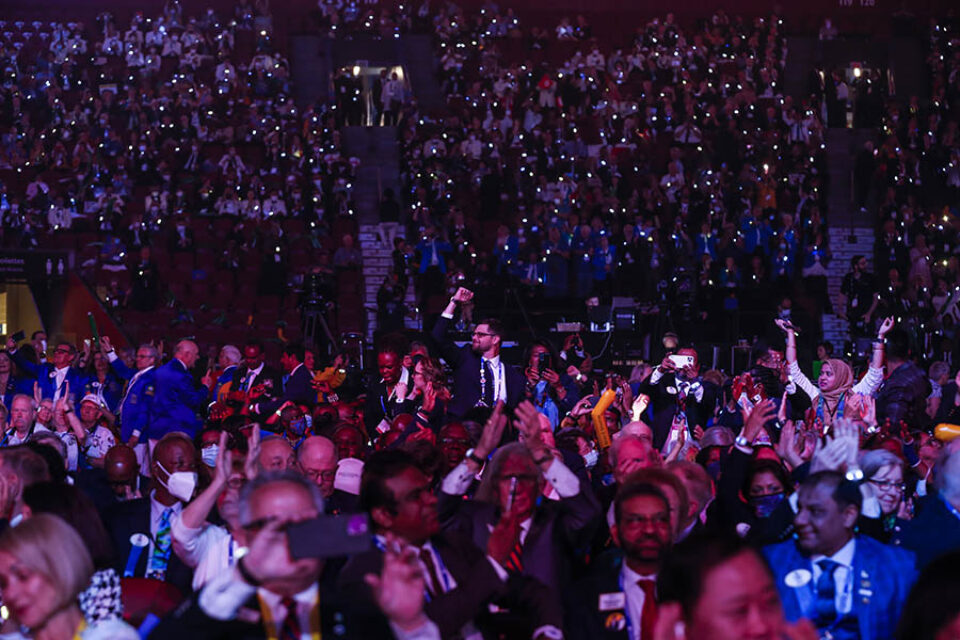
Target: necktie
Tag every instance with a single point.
(433, 579)
(489, 382)
(290, 628)
(648, 615)
(515, 561)
(160, 558)
(826, 592)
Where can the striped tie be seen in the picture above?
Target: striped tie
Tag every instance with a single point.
(160, 558)
(290, 629)
(515, 561)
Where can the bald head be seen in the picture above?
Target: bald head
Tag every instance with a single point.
(318, 460)
(276, 454)
(638, 429)
(187, 352)
(121, 466)
(629, 454)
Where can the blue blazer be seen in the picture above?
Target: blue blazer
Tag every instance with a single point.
(44, 375)
(135, 408)
(883, 576)
(177, 402)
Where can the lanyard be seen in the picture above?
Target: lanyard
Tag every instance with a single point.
(271, 627)
(837, 413)
(845, 598)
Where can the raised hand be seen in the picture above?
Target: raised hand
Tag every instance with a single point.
(105, 345)
(527, 423)
(250, 465)
(754, 419)
(885, 327)
(398, 590)
(640, 404)
(224, 464)
(492, 432)
(462, 295)
(503, 538)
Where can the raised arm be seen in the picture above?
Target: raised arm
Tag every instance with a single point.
(796, 375)
(448, 350)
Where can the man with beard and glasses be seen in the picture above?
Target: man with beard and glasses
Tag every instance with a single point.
(618, 599)
(480, 377)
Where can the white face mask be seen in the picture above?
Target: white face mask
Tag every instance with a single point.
(209, 455)
(180, 484)
(591, 458)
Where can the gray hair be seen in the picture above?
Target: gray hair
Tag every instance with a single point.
(939, 369)
(152, 350)
(872, 461)
(266, 478)
(487, 491)
(29, 399)
(231, 353)
(616, 443)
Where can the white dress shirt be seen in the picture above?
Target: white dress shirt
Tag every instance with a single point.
(210, 550)
(306, 600)
(635, 597)
(499, 378)
(156, 512)
(842, 576)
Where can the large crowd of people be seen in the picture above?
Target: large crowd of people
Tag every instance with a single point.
(546, 500)
(214, 488)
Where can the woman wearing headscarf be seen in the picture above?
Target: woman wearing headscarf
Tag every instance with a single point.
(835, 395)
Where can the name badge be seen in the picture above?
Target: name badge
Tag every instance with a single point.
(612, 601)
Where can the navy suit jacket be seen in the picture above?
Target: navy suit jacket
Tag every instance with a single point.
(177, 403)
(466, 373)
(44, 374)
(933, 532)
(882, 578)
(590, 618)
(298, 390)
(125, 519)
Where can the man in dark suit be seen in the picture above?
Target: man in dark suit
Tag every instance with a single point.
(268, 594)
(849, 585)
(261, 382)
(552, 532)
(177, 402)
(480, 377)
(57, 375)
(936, 529)
(460, 579)
(679, 392)
(298, 387)
(617, 601)
(902, 397)
(382, 403)
(140, 528)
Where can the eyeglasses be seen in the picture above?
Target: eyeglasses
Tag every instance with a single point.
(64, 351)
(326, 476)
(483, 334)
(459, 441)
(888, 485)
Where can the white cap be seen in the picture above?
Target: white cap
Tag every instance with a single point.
(348, 475)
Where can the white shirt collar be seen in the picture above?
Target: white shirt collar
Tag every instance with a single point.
(306, 597)
(844, 556)
(494, 361)
(631, 577)
(256, 371)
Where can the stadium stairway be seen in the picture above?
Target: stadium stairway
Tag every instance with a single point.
(851, 229)
(845, 242)
(379, 168)
(377, 262)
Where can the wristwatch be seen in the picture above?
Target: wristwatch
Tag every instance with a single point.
(740, 441)
(473, 456)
